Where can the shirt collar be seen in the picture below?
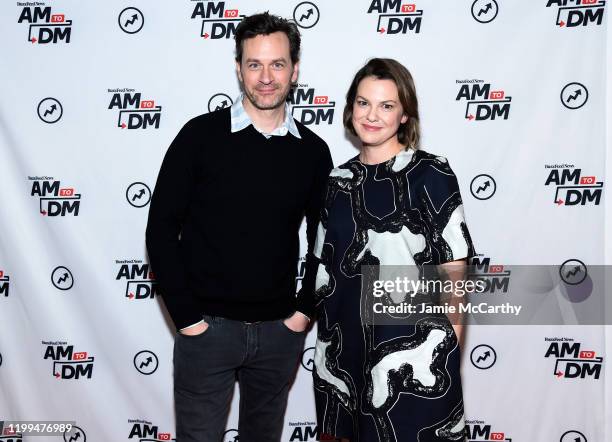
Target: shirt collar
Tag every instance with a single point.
(241, 120)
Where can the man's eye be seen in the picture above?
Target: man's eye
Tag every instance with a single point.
(278, 65)
(253, 65)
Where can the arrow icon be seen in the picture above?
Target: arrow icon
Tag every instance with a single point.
(144, 364)
(123, 126)
(485, 10)
(131, 295)
(382, 30)
(51, 110)
(577, 93)
(63, 278)
(484, 357)
(561, 23)
(57, 375)
(558, 374)
(307, 15)
(484, 186)
(131, 22)
(470, 117)
(138, 195)
(222, 105)
(33, 40)
(559, 202)
(206, 35)
(43, 212)
(574, 271)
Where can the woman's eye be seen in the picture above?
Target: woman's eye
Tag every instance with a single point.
(361, 103)
(387, 106)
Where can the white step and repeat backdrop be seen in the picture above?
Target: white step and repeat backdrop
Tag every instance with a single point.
(513, 93)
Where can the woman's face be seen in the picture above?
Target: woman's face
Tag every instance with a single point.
(377, 112)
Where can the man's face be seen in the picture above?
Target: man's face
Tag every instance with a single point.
(266, 71)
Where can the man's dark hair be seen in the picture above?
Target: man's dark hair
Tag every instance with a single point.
(266, 24)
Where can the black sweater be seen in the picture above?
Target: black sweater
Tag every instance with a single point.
(222, 233)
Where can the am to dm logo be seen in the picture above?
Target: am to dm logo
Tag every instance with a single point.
(304, 431)
(571, 362)
(4, 284)
(217, 20)
(67, 363)
(44, 27)
(55, 200)
(571, 187)
(308, 108)
(578, 13)
(145, 431)
(478, 430)
(134, 112)
(495, 277)
(140, 281)
(482, 103)
(395, 17)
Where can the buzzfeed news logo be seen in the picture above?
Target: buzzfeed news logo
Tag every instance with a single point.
(482, 103)
(4, 284)
(478, 430)
(140, 281)
(217, 20)
(495, 277)
(395, 17)
(571, 187)
(67, 363)
(45, 27)
(309, 108)
(55, 200)
(578, 13)
(571, 362)
(143, 430)
(134, 112)
(304, 431)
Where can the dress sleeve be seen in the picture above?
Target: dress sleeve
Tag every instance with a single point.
(447, 234)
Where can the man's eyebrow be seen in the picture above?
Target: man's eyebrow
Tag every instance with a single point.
(256, 60)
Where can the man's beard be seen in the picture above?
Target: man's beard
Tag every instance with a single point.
(278, 102)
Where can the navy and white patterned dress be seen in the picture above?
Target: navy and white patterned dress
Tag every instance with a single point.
(387, 383)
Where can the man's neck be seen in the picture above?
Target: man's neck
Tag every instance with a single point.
(264, 119)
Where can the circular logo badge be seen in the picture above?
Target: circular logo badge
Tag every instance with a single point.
(131, 20)
(231, 436)
(75, 434)
(146, 362)
(484, 11)
(483, 356)
(138, 194)
(483, 186)
(573, 436)
(62, 279)
(574, 95)
(50, 110)
(306, 15)
(308, 358)
(218, 102)
(573, 271)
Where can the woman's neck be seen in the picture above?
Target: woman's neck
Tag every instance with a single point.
(379, 154)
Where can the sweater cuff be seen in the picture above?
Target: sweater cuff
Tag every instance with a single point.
(184, 310)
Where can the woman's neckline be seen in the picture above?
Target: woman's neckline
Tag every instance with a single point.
(407, 150)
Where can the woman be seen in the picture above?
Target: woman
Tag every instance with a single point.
(393, 204)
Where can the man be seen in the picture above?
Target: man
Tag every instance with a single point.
(223, 241)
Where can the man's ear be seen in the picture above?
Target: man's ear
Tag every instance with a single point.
(296, 70)
(239, 72)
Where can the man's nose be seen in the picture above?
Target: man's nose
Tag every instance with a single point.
(266, 75)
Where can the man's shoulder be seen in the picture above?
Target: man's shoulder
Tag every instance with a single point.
(218, 121)
(312, 140)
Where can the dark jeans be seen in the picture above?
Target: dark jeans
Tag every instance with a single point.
(263, 357)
